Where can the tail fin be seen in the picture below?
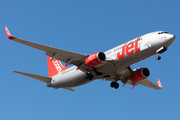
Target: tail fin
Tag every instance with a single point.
(54, 66)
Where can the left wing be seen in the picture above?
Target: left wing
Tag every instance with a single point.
(62, 55)
(148, 83)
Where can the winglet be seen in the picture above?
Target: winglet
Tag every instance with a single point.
(159, 83)
(8, 33)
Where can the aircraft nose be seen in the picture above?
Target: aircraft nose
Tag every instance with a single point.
(171, 37)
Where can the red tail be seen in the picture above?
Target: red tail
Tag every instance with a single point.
(54, 67)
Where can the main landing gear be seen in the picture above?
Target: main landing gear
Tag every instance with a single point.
(114, 85)
(89, 76)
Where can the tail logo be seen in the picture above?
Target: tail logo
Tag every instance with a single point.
(54, 66)
(57, 66)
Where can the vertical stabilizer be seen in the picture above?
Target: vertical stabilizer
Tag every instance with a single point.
(54, 66)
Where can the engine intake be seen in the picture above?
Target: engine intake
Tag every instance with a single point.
(139, 74)
(95, 59)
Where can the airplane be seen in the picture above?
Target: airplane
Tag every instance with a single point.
(112, 65)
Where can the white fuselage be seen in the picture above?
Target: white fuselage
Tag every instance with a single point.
(121, 56)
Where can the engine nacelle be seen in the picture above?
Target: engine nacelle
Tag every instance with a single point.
(139, 74)
(95, 59)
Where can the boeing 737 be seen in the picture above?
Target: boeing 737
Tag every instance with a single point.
(112, 65)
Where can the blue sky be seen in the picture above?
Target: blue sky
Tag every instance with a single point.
(86, 27)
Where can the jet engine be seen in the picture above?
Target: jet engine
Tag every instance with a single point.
(95, 59)
(139, 74)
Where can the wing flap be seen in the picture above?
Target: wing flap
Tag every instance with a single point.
(64, 59)
(54, 51)
(37, 77)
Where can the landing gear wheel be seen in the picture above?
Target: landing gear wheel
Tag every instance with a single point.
(86, 75)
(89, 76)
(114, 85)
(158, 57)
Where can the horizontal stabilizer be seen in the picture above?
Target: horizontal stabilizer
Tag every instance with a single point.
(37, 77)
(69, 88)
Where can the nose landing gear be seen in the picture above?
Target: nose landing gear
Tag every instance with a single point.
(158, 57)
(159, 51)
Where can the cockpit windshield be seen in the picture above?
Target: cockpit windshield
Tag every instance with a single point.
(163, 33)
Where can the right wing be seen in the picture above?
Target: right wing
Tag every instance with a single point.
(62, 55)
